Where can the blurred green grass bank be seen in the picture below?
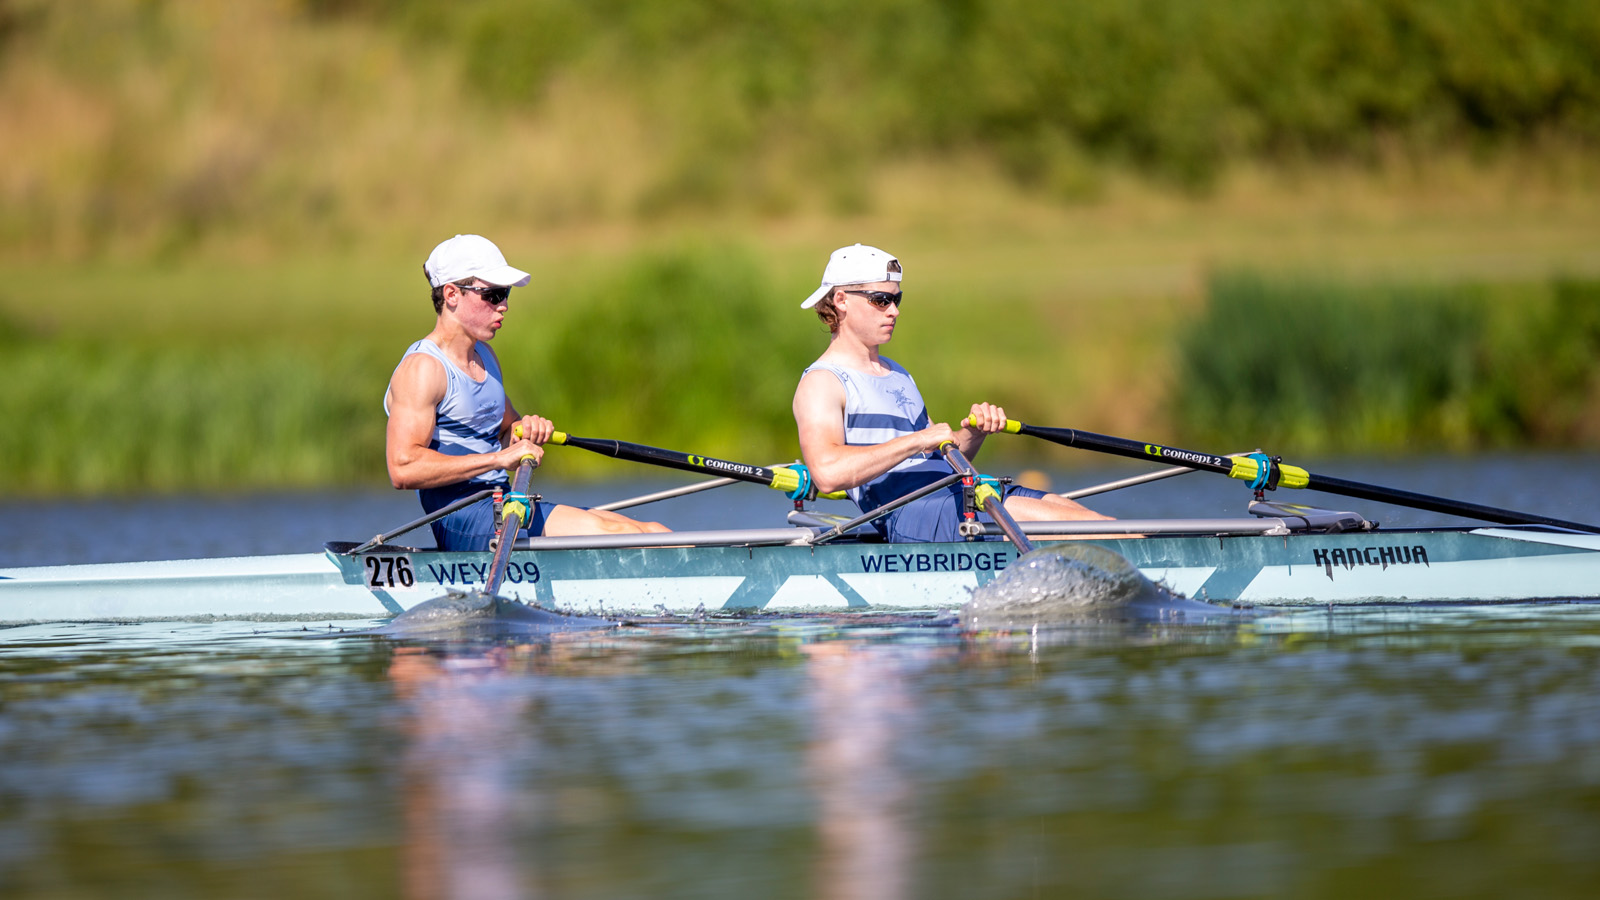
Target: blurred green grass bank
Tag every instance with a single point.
(1353, 226)
(698, 350)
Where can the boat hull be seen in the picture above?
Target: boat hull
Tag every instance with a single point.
(1466, 565)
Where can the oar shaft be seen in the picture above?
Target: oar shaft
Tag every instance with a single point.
(1103, 443)
(513, 514)
(672, 459)
(1247, 469)
(780, 479)
(988, 499)
(1331, 485)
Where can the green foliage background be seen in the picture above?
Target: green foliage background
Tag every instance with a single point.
(203, 203)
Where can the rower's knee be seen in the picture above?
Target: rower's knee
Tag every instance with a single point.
(1050, 508)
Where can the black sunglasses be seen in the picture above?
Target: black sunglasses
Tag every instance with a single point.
(881, 299)
(494, 296)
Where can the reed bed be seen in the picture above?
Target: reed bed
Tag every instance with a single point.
(1321, 365)
(105, 418)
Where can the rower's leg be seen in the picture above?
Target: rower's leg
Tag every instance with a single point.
(570, 520)
(1056, 508)
(1050, 508)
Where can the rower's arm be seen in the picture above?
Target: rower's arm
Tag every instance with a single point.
(835, 466)
(414, 394)
(535, 428)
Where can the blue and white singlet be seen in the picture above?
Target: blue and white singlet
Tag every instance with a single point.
(468, 421)
(470, 415)
(880, 408)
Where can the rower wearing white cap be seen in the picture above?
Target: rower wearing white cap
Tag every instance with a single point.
(863, 425)
(450, 422)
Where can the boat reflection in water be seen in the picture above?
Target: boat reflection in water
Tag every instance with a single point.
(486, 813)
(862, 710)
(463, 738)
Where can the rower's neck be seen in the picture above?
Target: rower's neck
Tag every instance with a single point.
(852, 354)
(457, 345)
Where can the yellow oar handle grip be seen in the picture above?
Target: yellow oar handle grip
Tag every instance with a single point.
(558, 437)
(788, 480)
(516, 433)
(1012, 425)
(1247, 469)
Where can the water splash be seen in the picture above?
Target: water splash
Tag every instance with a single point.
(1075, 582)
(477, 613)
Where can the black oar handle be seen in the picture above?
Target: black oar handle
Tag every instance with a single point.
(1104, 443)
(671, 459)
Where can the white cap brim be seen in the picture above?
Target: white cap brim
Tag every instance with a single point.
(816, 296)
(505, 276)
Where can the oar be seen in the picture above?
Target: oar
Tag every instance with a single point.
(795, 482)
(513, 513)
(1262, 472)
(988, 499)
(670, 493)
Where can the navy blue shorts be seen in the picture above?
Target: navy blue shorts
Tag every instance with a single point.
(472, 527)
(937, 517)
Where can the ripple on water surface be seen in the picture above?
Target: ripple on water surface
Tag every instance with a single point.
(1442, 751)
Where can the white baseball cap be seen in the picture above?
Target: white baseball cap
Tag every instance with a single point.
(856, 264)
(470, 256)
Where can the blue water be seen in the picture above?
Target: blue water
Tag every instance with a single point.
(1417, 752)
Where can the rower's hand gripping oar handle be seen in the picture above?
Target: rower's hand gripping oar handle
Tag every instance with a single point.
(516, 434)
(1012, 425)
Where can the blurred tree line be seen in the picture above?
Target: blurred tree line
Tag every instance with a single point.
(1176, 88)
(146, 127)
